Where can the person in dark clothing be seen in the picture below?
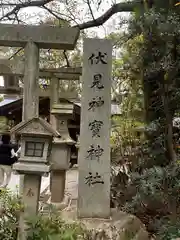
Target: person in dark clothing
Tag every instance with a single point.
(8, 157)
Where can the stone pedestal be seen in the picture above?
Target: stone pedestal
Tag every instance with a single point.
(58, 180)
(30, 200)
(31, 193)
(59, 164)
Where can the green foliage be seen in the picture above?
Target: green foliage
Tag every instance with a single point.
(125, 136)
(3, 124)
(10, 208)
(151, 57)
(169, 230)
(46, 227)
(153, 196)
(52, 227)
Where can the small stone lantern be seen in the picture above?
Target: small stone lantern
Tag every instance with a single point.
(61, 151)
(36, 141)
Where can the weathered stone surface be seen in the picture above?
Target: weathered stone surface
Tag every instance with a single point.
(121, 226)
(60, 156)
(30, 199)
(68, 73)
(12, 67)
(29, 168)
(16, 67)
(31, 97)
(31, 77)
(45, 36)
(94, 153)
(36, 126)
(57, 185)
(63, 109)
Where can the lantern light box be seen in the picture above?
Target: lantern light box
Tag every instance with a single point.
(36, 141)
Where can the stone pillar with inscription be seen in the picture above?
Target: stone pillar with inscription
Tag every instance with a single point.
(94, 152)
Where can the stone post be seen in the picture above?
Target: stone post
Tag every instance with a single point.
(32, 184)
(31, 81)
(30, 109)
(54, 99)
(30, 95)
(94, 152)
(58, 176)
(58, 180)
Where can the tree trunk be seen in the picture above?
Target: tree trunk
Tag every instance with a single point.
(168, 122)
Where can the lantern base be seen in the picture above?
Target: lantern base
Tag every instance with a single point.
(31, 168)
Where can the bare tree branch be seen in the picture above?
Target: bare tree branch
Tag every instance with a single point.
(16, 9)
(54, 14)
(90, 9)
(116, 8)
(19, 50)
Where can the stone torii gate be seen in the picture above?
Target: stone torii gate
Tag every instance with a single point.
(16, 68)
(32, 38)
(11, 70)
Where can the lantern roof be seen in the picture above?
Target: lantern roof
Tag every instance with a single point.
(35, 126)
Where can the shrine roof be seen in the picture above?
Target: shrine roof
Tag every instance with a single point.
(8, 100)
(10, 103)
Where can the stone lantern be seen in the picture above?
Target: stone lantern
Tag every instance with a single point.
(36, 142)
(61, 150)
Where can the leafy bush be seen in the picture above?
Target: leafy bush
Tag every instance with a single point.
(169, 229)
(52, 227)
(153, 196)
(10, 208)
